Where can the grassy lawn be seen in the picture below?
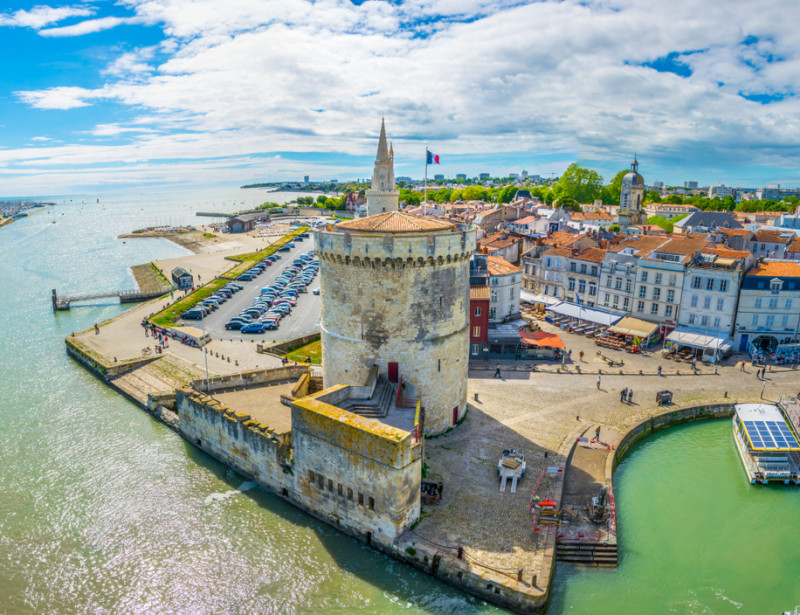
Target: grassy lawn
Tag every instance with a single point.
(168, 316)
(312, 349)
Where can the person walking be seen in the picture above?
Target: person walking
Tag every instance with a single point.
(630, 396)
(497, 373)
(694, 363)
(742, 366)
(580, 356)
(659, 370)
(599, 380)
(622, 394)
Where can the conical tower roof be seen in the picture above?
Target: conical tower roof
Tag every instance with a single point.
(383, 148)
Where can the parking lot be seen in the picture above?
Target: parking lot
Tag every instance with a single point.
(302, 320)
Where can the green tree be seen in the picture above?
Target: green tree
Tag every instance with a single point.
(583, 185)
(667, 225)
(652, 197)
(474, 193)
(506, 194)
(321, 200)
(673, 199)
(456, 195)
(569, 204)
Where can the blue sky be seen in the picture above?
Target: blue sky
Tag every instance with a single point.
(112, 96)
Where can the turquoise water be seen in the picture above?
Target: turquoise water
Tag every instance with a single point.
(695, 536)
(104, 510)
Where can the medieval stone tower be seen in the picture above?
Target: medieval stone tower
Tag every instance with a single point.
(631, 198)
(382, 196)
(395, 293)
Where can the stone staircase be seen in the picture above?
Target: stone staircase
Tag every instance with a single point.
(377, 406)
(588, 553)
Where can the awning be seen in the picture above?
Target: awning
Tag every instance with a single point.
(634, 327)
(541, 338)
(573, 310)
(684, 337)
(529, 297)
(503, 334)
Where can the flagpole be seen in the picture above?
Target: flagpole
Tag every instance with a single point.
(425, 187)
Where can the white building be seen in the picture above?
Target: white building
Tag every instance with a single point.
(768, 316)
(504, 281)
(720, 191)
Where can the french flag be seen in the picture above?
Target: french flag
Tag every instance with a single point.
(432, 158)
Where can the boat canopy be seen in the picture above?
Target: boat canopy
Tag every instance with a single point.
(765, 428)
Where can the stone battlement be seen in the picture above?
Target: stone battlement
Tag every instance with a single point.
(395, 250)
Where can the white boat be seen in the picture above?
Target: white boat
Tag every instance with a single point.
(768, 448)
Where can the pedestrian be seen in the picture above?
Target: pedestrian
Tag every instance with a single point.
(630, 396)
(96, 329)
(622, 394)
(580, 356)
(597, 433)
(659, 370)
(599, 380)
(497, 373)
(694, 363)
(569, 354)
(578, 417)
(742, 366)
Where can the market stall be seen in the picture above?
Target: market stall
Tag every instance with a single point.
(686, 345)
(578, 318)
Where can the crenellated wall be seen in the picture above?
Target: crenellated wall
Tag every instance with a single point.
(234, 438)
(399, 298)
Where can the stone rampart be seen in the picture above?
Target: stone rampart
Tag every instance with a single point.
(357, 473)
(256, 450)
(250, 378)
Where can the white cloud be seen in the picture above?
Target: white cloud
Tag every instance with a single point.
(90, 26)
(41, 16)
(474, 76)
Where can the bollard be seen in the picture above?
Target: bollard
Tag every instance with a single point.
(476, 397)
(460, 552)
(519, 575)
(533, 581)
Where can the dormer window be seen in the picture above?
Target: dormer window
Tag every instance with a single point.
(775, 286)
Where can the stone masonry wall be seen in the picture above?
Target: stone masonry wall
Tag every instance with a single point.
(404, 299)
(234, 438)
(358, 473)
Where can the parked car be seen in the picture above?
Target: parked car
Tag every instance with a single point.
(315, 291)
(253, 327)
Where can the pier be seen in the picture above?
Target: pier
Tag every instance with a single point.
(63, 302)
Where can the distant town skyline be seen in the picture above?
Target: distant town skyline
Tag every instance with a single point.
(179, 93)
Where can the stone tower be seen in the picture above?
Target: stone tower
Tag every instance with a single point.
(382, 196)
(395, 293)
(631, 198)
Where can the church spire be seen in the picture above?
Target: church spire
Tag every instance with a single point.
(635, 164)
(383, 150)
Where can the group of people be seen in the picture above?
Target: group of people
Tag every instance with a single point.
(626, 396)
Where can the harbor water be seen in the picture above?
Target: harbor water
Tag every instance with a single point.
(105, 510)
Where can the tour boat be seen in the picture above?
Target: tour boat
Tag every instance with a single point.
(766, 444)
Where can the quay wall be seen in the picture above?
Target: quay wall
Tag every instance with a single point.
(247, 446)
(249, 378)
(103, 369)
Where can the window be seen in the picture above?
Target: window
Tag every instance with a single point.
(644, 276)
(360, 499)
(478, 311)
(594, 270)
(616, 300)
(618, 283)
(785, 321)
(627, 286)
(583, 267)
(605, 299)
(608, 281)
(754, 322)
(330, 485)
(654, 308)
(581, 286)
(775, 286)
(492, 312)
(557, 262)
(571, 283)
(372, 503)
(340, 489)
(642, 292)
(696, 282)
(592, 289)
(720, 304)
(670, 296)
(625, 303)
(693, 302)
(320, 481)
(773, 303)
(476, 331)
(640, 306)
(672, 279)
(770, 321)
(668, 311)
(475, 349)
(495, 281)
(656, 293)
(658, 278)
(555, 276)
(493, 295)
(704, 320)
(788, 304)
(691, 319)
(706, 302)
(723, 286)
(573, 267)
(710, 283)
(546, 275)
(716, 322)
(511, 293)
(758, 302)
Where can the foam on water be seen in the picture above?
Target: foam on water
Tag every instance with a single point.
(221, 497)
